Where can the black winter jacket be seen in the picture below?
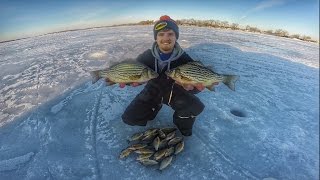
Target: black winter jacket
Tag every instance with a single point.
(162, 85)
(147, 59)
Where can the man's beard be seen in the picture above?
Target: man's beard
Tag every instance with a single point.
(166, 47)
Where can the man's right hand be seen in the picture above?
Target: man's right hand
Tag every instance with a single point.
(134, 84)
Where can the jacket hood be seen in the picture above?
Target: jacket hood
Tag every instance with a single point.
(176, 53)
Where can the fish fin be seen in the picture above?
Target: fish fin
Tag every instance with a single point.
(109, 82)
(135, 77)
(115, 63)
(211, 88)
(197, 63)
(185, 86)
(230, 80)
(211, 67)
(185, 79)
(129, 61)
(95, 76)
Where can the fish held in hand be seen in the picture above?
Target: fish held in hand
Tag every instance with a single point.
(198, 75)
(125, 73)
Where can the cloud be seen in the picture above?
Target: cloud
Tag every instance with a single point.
(268, 4)
(262, 6)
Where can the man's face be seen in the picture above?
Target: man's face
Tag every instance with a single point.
(166, 39)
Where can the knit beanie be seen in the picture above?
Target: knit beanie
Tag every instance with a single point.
(165, 22)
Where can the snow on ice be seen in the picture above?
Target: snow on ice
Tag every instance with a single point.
(55, 124)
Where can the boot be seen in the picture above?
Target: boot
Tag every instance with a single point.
(184, 124)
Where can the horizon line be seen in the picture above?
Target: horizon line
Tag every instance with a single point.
(113, 25)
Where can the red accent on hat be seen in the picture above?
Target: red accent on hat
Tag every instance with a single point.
(165, 18)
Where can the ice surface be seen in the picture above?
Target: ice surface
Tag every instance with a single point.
(55, 124)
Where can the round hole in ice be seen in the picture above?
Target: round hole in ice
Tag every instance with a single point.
(238, 113)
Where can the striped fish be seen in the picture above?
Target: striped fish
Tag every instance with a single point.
(148, 162)
(179, 147)
(196, 74)
(165, 162)
(124, 153)
(144, 156)
(125, 72)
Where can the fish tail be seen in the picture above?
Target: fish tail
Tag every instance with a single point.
(95, 76)
(230, 80)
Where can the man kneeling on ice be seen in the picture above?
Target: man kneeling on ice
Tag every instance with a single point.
(165, 54)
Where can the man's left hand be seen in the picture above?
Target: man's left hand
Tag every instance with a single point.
(134, 84)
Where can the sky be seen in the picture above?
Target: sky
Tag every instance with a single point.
(56, 124)
(20, 18)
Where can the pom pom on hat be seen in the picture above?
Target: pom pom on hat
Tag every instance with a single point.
(165, 18)
(165, 22)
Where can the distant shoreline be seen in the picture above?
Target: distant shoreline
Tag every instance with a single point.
(196, 23)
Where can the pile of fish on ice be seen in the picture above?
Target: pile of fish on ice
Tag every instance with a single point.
(156, 146)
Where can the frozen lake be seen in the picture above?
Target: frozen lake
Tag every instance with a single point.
(55, 124)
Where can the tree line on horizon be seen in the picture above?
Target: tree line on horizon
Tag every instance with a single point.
(203, 23)
(234, 26)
